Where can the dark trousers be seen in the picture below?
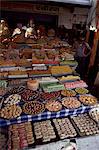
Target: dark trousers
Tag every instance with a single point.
(81, 68)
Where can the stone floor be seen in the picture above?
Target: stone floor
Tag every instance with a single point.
(88, 143)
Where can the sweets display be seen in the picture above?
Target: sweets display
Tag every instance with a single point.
(16, 90)
(3, 83)
(47, 80)
(85, 125)
(71, 102)
(40, 68)
(61, 70)
(14, 82)
(64, 128)
(68, 93)
(55, 97)
(21, 135)
(23, 63)
(81, 90)
(33, 84)
(3, 138)
(7, 63)
(27, 95)
(44, 131)
(39, 72)
(88, 99)
(17, 73)
(3, 91)
(10, 112)
(75, 84)
(69, 78)
(3, 74)
(33, 108)
(67, 57)
(17, 137)
(53, 105)
(94, 114)
(50, 96)
(12, 99)
(69, 62)
(29, 133)
(52, 87)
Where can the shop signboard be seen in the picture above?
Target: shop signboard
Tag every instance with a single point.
(30, 8)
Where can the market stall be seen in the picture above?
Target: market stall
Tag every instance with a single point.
(42, 98)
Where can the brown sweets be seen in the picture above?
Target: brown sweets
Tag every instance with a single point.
(44, 131)
(27, 95)
(33, 108)
(88, 99)
(68, 93)
(85, 125)
(53, 105)
(71, 102)
(64, 128)
(10, 112)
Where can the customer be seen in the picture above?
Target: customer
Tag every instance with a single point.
(82, 56)
(62, 32)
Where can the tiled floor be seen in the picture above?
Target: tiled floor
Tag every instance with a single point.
(89, 143)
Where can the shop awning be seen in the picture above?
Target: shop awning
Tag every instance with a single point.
(79, 2)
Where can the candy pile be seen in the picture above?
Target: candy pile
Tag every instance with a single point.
(27, 95)
(33, 108)
(3, 91)
(12, 99)
(64, 128)
(3, 138)
(85, 125)
(75, 84)
(88, 99)
(71, 102)
(11, 111)
(50, 96)
(68, 93)
(81, 90)
(53, 106)
(60, 70)
(44, 131)
(20, 135)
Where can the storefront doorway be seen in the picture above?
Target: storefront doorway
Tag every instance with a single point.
(40, 19)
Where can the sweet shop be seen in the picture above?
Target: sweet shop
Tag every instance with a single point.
(49, 75)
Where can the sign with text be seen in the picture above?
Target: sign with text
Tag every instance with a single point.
(31, 8)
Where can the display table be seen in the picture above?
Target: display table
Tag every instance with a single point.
(43, 124)
(45, 116)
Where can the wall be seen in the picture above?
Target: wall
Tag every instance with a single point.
(67, 18)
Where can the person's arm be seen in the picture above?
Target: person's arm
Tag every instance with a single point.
(89, 48)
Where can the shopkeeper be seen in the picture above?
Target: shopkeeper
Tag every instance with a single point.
(82, 56)
(30, 32)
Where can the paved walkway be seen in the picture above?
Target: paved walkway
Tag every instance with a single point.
(88, 143)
